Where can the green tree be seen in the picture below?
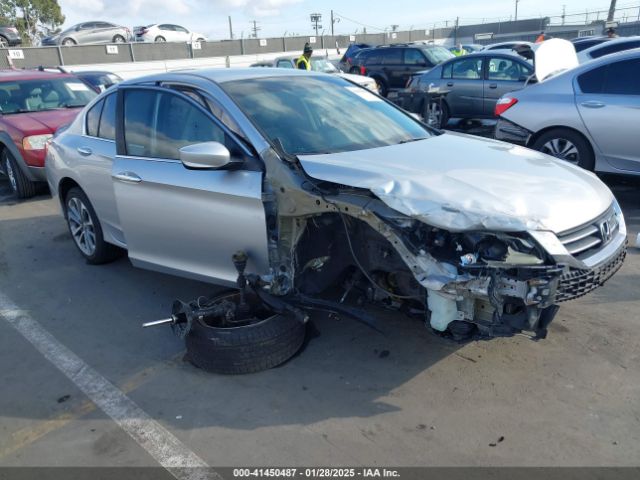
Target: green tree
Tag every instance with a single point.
(32, 16)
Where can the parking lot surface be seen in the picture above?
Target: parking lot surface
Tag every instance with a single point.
(353, 396)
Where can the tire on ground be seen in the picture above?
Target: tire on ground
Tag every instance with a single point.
(246, 349)
(24, 187)
(104, 252)
(586, 158)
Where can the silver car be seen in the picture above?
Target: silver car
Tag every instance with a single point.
(313, 184)
(88, 33)
(588, 116)
(614, 45)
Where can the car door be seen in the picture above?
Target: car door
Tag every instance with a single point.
(608, 99)
(503, 74)
(414, 62)
(86, 33)
(182, 34)
(463, 80)
(94, 152)
(175, 219)
(392, 66)
(167, 32)
(103, 32)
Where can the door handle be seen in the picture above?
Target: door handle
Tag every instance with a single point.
(84, 151)
(127, 177)
(493, 85)
(593, 104)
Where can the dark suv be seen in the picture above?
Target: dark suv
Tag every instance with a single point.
(393, 65)
(9, 36)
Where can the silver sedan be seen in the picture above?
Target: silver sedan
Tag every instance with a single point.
(588, 116)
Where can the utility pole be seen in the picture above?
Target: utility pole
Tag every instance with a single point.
(564, 13)
(230, 28)
(332, 23)
(315, 20)
(255, 29)
(517, 2)
(612, 11)
(455, 34)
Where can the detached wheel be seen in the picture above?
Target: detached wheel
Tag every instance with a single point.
(85, 229)
(436, 114)
(262, 340)
(22, 187)
(566, 145)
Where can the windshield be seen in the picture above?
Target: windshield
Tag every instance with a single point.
(322, 65)
(437, 55)
(315, 114)
(43, 94)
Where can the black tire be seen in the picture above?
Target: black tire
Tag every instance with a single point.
(118, 39)
(160, 39)
(440, 118)
(259, 346)
(68, 42)
(21, 186)
(383, 89)
(104, 252)
(558, 140)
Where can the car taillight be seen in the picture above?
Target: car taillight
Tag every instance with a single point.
(363, 70)
(504, 104)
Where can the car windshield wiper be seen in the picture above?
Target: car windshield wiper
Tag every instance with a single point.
(20, 110)
(409, 140)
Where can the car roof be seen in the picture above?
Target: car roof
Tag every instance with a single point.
(223, 75)
(614, 41)
(12, 74)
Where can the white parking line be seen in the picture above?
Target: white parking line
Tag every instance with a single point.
(161, 444)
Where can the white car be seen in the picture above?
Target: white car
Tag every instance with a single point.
(166, 32)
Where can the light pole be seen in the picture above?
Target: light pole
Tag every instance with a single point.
(612, 11)
(517, 2)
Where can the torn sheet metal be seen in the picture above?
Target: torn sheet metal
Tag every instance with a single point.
(487, 185)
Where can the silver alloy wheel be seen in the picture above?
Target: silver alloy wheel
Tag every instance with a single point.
(81, 226)
(434, 115)
(563, 149)
(12, 177)
(118, 39)
(68, 42)
(3, 43)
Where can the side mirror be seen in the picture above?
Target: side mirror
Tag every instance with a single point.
(205, 156)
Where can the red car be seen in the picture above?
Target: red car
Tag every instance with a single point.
(33, 105)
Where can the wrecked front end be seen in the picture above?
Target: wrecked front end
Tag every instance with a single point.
(475, 283)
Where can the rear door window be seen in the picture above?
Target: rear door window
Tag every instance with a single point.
(593, 80)
(467, 69)
(623, 78)
(392, 56)
(107, 128)
(93, 119)
(284, 64)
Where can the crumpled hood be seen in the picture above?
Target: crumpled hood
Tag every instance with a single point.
(38, 122)
(458, 183)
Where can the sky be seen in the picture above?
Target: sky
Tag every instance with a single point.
(279, 17)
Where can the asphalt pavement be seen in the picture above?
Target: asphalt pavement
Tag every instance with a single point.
(352, 396)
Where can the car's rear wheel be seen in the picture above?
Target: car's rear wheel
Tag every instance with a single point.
(436, 114)
(85, 229)
(160, 40)
(257, 341)
(4, 43)
(383, 88)
(566, 145)
(68, 42)
(118, 39)
(22, 187)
